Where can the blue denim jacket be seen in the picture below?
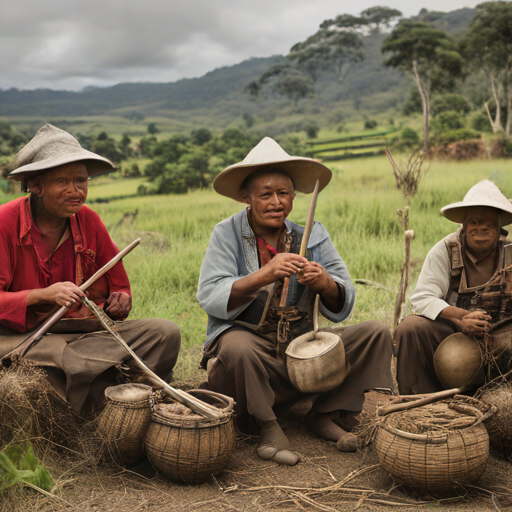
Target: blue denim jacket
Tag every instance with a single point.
(233, 253)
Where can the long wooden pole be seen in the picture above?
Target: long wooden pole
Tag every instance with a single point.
(305, 239)
(182, 397)
(36, 336)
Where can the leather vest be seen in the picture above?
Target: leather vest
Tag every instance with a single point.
(494, 296)
(280, 324)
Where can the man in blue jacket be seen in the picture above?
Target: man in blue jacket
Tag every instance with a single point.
(240, 287)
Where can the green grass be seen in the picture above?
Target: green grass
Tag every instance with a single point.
(358, 208)
(105, 188)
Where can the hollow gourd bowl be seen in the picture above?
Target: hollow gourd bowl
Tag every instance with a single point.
(316, 364)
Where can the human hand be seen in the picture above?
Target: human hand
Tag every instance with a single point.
(63, 294)
(282, 265)
(314, 276)
(476, 322)
(118, 305)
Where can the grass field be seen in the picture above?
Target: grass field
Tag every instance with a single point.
(358, 208)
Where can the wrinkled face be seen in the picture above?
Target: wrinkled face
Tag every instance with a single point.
(482, 229)
(62, 190)
(271, 201)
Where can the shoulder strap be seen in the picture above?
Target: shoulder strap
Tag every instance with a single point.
(454, 248)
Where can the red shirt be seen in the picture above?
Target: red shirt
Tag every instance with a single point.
(24, 266)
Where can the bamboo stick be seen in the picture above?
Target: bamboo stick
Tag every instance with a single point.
(198, 406)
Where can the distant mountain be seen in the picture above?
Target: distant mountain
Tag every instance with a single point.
(369, 86)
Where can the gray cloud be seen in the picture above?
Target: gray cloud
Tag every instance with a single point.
(68, 44)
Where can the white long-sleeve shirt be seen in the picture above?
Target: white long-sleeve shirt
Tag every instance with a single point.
(430, 295)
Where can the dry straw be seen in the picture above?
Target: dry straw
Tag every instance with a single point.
(31, 410)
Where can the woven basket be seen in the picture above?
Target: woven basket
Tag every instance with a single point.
(189, 448)
(124, 421)
(499, 425)
(452, 450)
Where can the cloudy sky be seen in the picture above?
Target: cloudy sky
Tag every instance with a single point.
(70, 44)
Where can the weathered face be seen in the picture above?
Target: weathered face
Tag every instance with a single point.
(62, 190)
(481, 225)
(271, 201)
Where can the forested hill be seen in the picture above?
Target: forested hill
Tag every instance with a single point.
(368, 84)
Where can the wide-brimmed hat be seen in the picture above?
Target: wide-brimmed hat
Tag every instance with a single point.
(50, 148)
(268, 154)
(485, 193)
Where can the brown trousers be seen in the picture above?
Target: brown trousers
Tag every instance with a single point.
(417, 339)
(250, 369)
(80, 364)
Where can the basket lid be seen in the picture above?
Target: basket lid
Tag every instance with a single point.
(128, 392)
(307, 347)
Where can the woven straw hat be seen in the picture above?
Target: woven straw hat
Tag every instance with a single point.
(268, 154)
(50, 148)
(485, 193)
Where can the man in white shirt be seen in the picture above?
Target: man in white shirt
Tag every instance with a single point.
(455, 290)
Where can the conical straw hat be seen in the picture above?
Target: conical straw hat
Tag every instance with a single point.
(50, 148)
(485, 193)
(268, 154)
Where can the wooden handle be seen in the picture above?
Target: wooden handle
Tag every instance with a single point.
(432, 397)
(310, 221)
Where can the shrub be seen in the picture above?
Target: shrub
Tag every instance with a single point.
(201, 136)
(450, 136)
(480, 122)
(449, 120)
(311, 128)
(448, 102)
(413, 103)
(409, 137)
(370, 124)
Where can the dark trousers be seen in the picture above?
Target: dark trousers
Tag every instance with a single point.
(81, 364)
(417, 339)
(250, 369)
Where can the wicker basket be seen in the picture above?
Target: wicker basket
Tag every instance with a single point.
(452, 448)
(189, 448)
(124, 421)
(499, 425)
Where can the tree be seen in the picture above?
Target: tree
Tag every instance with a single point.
(152, 128)
(447, 102)
(284, 80)
(429, 54)
(335, 47)
(487, 45)
(380, 16)
(329, 49)
(249, 119)
(126, 146)
(201, 136)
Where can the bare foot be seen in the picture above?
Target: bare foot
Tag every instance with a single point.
(324, 425)
(273, 445)
(348, 443)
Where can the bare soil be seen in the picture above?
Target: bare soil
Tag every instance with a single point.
(85, 488)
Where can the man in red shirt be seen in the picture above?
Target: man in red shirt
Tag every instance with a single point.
(50, 243)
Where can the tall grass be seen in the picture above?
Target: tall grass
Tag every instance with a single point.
(358, 208)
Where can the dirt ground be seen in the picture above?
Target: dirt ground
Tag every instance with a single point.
(84, 488)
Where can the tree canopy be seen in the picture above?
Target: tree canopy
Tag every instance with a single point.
(429, 54)
(487, 45)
